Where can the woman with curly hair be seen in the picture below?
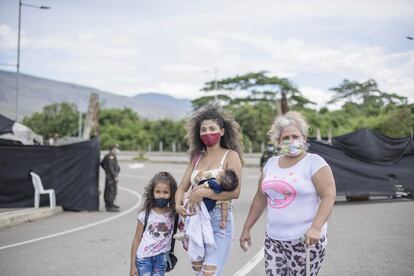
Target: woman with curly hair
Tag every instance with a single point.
(297, 189)
(215, 144)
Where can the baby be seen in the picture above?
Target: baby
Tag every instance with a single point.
(227, 181)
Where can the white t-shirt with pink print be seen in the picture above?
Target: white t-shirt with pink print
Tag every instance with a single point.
(292, 200)
(156, 238)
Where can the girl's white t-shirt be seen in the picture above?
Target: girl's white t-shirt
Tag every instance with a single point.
(292, 200)
(156, 238)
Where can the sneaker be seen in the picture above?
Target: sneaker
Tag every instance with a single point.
(112, 209)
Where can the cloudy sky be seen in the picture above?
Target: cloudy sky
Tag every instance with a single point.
(171, 46)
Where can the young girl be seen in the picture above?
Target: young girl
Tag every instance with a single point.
(151, 245)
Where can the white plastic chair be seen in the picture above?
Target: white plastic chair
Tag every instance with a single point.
(38, 186)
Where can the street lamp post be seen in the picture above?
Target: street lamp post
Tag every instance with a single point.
(215, 70)
(18, 51)
(215, 84)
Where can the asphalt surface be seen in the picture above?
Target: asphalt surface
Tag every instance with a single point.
(366, 238)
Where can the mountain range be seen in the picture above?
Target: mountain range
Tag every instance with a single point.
(35, 93)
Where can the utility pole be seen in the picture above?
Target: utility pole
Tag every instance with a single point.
(92, 119)
(18, 62)
(18, 51)
(80, 124)
(215, 84)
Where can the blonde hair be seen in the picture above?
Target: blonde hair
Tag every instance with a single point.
(291, 118)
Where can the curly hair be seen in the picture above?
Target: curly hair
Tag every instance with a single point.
(291, 118)
(149, 201)
(232, 138)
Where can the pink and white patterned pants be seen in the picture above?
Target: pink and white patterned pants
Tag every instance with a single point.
(289, 257)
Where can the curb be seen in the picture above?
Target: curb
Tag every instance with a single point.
(251, 160)
(25, 215)
(248, 165)
(186, 162)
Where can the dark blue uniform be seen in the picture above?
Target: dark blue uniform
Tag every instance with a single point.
(110, 165)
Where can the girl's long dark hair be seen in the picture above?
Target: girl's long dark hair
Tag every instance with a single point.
(149, 201)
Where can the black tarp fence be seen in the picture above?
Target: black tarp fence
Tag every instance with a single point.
(6, 125)
(71, 170)
(366, 163)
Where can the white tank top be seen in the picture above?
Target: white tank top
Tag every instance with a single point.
(292, 200)
(197, 175)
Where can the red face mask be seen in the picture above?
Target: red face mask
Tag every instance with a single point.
(210, 139)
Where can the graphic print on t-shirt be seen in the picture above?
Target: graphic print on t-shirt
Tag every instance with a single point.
(279, 193)
(159, 231)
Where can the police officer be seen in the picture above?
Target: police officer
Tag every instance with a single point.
(267, 154)
(111, 167)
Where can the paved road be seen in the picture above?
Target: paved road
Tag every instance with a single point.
(372, 238)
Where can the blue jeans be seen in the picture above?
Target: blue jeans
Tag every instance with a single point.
(223, 239)
(152, 266)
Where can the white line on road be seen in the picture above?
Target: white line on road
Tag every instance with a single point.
(2, 214)
(136, 166)
(252, 176)
(134, 176)
(251, 264)
(175, 171)
(133, 208)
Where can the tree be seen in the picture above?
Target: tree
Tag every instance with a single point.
(255, 121)
(126, 128)
(123, 127)
(252, 99)
(398, 123)
(59, 118)
(252, 88)
(366, 96)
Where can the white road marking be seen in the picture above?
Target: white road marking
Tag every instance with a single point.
(176, 171)
(134, 176)
(136, 166)
(252, 176)
(251, 264)
(14, 211)
(133, 208)
(173, 171)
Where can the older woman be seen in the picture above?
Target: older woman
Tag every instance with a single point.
(215, 145)
(298, 191)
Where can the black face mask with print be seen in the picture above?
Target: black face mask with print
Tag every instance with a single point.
(161, 202)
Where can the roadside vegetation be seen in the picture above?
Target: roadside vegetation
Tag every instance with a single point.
(251, 98)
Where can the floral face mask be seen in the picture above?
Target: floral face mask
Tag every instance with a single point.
(292, 148)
